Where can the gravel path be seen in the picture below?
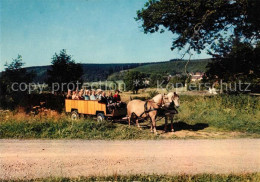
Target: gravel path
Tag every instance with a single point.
(26, 159)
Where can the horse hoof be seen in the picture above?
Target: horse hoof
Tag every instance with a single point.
(151, 131)
(172, 130)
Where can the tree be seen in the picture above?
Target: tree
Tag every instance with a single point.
(202, 23)
(156, 79)
(134, 80)
(240, 62)
(228, 29)
(178, 81)
(63, 71)
(10, 79)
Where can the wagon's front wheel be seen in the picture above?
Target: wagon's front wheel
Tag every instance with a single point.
(100, 117)
(74, 115)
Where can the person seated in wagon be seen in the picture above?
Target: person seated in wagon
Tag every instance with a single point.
(69, 95)
(87, 95)
(93, 95)
(99, 94)
(117, 97)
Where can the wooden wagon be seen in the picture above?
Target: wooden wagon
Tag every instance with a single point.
(92, 108)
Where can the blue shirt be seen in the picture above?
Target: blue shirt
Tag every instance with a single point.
(86, 97)
(92, 97)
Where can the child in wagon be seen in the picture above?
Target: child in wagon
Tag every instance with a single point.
(69, 96)
(117, 97)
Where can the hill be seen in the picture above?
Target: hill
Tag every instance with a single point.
(174, 67)
(97, 72)
(91, 72)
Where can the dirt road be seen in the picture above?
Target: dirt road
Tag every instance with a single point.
(72, 158)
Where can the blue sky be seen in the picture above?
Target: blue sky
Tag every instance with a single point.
(92, 31)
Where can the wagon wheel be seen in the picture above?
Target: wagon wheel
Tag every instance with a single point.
(100, 117)
(74, 115)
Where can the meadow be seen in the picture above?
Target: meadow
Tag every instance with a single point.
(228, 113)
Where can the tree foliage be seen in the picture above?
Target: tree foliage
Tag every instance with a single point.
(237, 63)
(64, 70)
(134, 80)
(178, 81)
(156, 79)
(202, 23)
(10, 79)
(228, 29)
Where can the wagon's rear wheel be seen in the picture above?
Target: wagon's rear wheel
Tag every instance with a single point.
(74, 115)
(100, 117)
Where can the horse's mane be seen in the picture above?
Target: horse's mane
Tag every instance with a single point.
(158, 98)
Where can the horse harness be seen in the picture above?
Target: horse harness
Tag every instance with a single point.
(146, 110)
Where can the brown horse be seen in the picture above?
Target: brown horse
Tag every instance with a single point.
(137, 109)
(168, 103)
(161, 100)
(173, 98)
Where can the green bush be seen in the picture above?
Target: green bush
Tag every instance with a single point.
(152, 93)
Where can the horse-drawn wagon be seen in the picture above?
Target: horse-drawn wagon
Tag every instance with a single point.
(93, 108)
(160, 105)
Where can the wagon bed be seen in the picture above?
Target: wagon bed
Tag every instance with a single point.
(93, 108)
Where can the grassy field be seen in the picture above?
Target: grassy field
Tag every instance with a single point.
(232, 113)
(198, 114)
(181, 178)
(65, 128)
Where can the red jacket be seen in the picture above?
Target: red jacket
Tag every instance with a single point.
(117, 98)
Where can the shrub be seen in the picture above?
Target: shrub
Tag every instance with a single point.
(152, 93)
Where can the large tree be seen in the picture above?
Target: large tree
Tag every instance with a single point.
(63, 71)
(240, 62)
(228, 29)
(13, 81)
(198, 24)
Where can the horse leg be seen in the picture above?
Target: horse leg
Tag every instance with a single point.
(129, 120)
(153, 118)
(137, 123)
(172, 123)
(151, 129)
(166, 123)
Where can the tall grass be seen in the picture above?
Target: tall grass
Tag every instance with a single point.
(234, 113)
(180, 178)
(65, 128)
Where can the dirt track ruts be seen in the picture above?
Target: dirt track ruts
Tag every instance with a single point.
(72, 158)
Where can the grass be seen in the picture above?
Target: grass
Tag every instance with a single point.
(221, 113)
(180, 178)
(230, 113)
(65, 128)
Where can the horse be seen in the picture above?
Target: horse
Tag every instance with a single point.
(168, 103)
(142, 109)
(161, 100)
(173, 98)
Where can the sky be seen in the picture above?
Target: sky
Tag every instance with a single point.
(92, 31)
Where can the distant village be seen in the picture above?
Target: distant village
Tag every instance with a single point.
(197, 76)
